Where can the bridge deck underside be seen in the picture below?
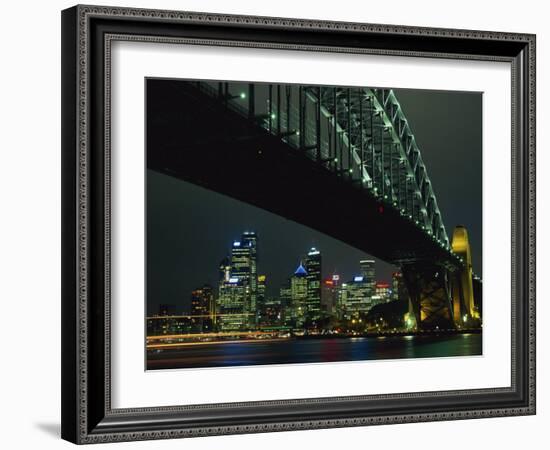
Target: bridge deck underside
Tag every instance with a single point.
(194, 137)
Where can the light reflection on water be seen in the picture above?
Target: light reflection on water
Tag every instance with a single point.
(316, 350)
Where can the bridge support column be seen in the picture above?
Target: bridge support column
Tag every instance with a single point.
(458, 286)
(462, 282)
(428, 287)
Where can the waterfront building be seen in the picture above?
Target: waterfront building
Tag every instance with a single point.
(298, 293)
(329, 295)
(203, 307)
(262, 281)
(383, 292)
(201, 301)
(355, 297)
(285, 299)
(172, 325)
(232, 315)
(260, 296)
(271, 314)
(224, 269)
(237, 307)
(313, 267)
(368, 272)
(244, 268)
(399, 290)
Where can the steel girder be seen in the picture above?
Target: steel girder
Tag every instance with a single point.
(378, 140)
(428, 286)
(408, 149)
(359, 133)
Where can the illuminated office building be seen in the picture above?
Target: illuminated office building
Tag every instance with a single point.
(250, 240)
(232, 315)
(262, 280)
(261, 295)
(203, 308)
(271, 314)
(244, 268)
(285, 300)
(355, 297)
(298, 293)
(201, 301)
(399, 290)
(224, 269)
(314, 274)
(329, 295)
(368, 272)
(383, 292)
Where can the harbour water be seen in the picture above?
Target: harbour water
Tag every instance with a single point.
(314, 350)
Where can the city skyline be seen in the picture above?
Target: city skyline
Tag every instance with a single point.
(366, 268)
(307, 301)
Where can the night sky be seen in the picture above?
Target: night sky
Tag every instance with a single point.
(190, 229)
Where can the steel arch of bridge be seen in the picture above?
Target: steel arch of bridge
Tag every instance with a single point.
(381, 144)
(360, 133)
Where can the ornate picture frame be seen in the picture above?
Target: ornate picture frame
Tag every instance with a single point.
(87, 35)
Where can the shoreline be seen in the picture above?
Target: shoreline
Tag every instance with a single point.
(431, 333)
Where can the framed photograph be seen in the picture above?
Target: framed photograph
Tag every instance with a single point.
(279, 224)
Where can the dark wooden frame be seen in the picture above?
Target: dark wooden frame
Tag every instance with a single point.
(87, 416)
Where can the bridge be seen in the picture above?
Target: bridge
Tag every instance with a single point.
(341, 160)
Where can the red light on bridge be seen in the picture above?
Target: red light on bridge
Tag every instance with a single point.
(381, 209)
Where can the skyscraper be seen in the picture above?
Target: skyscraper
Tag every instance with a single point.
(262, 281)
(355, 298)
(201, 301)
(244, 269)
(298, 292)
(399, 290)
(224, 269)
(285, 300)
(329, 295)
(250, 240)
(368, 273)
(261, 295)
(314, 274)
(231, 305)
(203, 308)
(383, 291)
